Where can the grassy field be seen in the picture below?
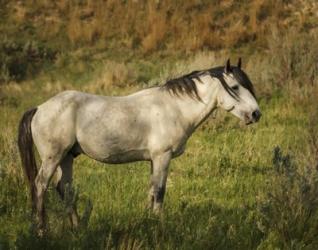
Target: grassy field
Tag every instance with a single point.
(235, 187)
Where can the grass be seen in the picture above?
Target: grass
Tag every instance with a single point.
(213, 189)
(235, 187)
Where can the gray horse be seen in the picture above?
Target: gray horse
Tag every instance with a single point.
(151, 125)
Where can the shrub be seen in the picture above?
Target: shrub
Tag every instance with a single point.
(288, 214)
(294, 57)
(20, 60)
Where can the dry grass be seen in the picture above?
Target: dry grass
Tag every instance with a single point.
(164, 24)
(156, 30)
(111, 75)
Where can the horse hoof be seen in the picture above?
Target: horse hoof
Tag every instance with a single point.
(157, 209)
(41, 233)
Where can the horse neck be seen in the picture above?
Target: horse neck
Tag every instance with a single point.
(194, 112)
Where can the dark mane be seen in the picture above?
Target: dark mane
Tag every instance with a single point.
(185, 85)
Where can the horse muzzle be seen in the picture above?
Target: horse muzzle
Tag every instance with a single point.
(254, 117)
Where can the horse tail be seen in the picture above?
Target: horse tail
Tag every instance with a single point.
(25, 143)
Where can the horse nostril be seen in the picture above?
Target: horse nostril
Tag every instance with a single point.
(256, 115)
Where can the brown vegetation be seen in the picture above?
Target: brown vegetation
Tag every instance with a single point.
(162, 24)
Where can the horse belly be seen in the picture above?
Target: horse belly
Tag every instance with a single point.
(114, 154)
(126, 157)
(112, 147)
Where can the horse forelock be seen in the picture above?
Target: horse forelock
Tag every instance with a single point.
(218, 73)
(243, 79)
(238, 74)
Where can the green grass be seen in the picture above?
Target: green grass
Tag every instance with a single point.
(225, 192)
(212, 194)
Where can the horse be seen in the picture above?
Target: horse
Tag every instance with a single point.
(151, 125)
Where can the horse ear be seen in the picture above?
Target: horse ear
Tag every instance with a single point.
(239, 63)
(227, 67)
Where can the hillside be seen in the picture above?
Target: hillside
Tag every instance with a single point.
(38, 34)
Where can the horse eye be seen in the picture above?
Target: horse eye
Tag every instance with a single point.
(235, 87)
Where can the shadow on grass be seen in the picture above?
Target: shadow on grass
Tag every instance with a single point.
(201, 225)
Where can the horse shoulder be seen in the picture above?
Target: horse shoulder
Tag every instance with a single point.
(168, 131)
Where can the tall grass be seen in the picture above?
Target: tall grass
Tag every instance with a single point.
(236, 187)
(156, 25)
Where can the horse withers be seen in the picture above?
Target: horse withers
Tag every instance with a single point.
(152, 125)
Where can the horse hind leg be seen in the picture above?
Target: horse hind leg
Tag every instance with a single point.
(64, 184)
(52, 141)
(42, 181)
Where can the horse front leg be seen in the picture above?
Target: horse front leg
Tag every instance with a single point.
(151, 193)
(160, 167)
